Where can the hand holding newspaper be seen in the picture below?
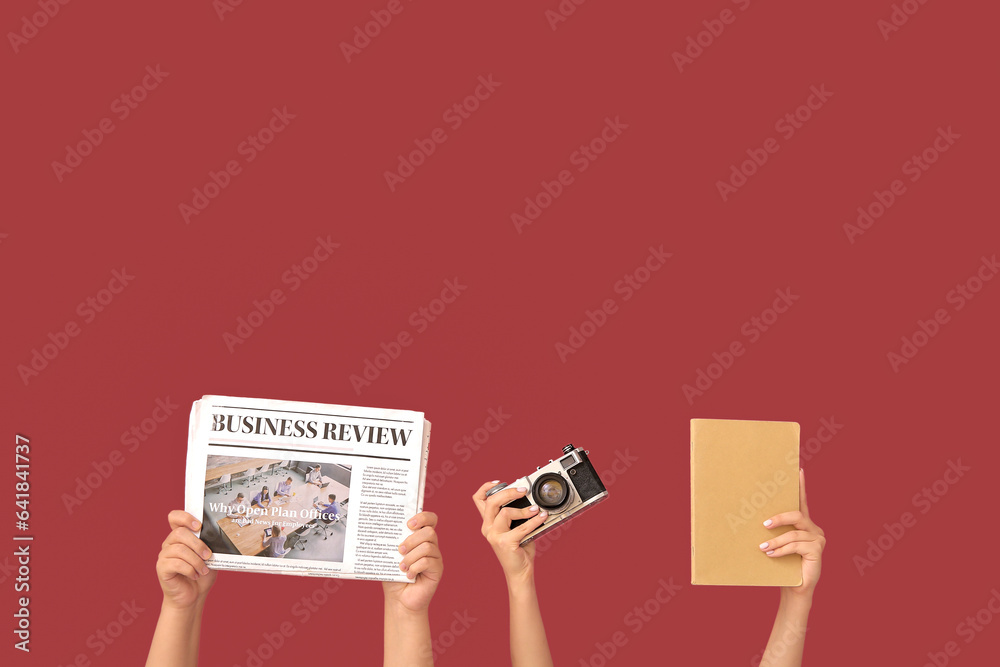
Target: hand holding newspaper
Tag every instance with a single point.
(305, 488)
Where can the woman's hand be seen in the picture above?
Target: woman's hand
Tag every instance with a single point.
(421, 562)
(185, 580)
(529, 646)
(180, 567)
(517, 561)
(807, 539)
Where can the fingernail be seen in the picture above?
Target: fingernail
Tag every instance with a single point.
(769, 553)
(533, 508)
(411, 523)
(764, 545)
(543, 514)
(402, 548)
(768, 523)
(522, 489)
(409, 575)
(194, 525)
(496, 481)
(206, 554)
(205, 571)
(403, 567)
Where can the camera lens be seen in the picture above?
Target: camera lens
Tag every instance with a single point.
(550, 491)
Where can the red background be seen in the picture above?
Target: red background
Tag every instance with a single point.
(495, 346)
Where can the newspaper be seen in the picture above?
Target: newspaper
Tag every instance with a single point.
(305, 488)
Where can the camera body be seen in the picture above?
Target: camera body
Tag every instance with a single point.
(564, 488)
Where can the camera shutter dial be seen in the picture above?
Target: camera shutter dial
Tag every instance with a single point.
(496, 489)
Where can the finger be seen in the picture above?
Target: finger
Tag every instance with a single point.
(803, 507)
(500, 498)
(528, 526)
(502, 523)
(183, 552)
(425, 534)
(424, 550)
(423, 519)
(809, 550)
(168, 568)
(178, 518)
(184, 536)
(431, 567)
(179, 552)
(479, 497)
(787, 538)
(788, 519)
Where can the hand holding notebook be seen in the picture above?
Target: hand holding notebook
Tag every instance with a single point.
(807, 540)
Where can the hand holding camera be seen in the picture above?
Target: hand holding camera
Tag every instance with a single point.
(517, 562)
(516, 514)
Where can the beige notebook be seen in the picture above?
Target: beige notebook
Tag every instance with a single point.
(742, 473)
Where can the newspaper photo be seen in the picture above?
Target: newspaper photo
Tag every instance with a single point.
(305, 488)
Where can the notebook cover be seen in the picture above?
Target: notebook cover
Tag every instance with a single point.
(742, 473)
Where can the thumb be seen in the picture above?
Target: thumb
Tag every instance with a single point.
(803, 506)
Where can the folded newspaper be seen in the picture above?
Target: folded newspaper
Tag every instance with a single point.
(305, 488)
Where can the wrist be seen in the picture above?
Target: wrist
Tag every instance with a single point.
(395, 608)
(796, 601)
(521, 584)
(181, 612)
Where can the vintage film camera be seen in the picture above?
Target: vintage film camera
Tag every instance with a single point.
(563, 488)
